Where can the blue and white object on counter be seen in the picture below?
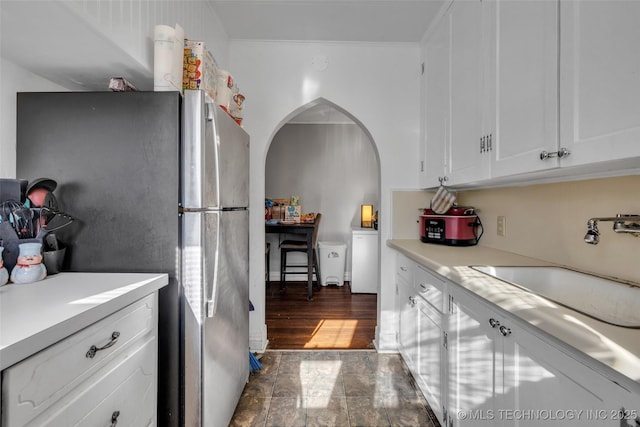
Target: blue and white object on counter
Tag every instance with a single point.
(29, 268)
(4, 274)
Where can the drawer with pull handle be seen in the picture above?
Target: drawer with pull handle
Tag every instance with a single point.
(36, 383)
(122, 395)
(404, 268)
(431, 288)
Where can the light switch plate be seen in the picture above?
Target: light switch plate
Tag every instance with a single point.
(502, 226)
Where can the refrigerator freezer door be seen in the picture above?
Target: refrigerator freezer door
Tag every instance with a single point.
(215, 273)
(215, 156)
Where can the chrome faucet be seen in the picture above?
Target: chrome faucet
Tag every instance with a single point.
(622, 223)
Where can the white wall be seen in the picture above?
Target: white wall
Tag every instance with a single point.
(377, 84)
(15, 79)
(333, 168)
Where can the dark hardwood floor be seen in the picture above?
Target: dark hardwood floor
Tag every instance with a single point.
(335, 319)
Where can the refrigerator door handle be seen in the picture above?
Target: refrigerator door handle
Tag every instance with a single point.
(208, 109)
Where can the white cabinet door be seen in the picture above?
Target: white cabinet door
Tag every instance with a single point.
(436, 84)
(542, 381)
(599, 80)
(471, 353)
(502, 375)
(522, 82)
(407, 323)
(431, 363)
(467, 163)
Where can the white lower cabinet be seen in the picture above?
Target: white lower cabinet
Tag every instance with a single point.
(105, 374)
(502, 375)
(478, 366)
(407, 310)
(430, 370)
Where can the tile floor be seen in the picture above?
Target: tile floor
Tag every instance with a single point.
(332, 388)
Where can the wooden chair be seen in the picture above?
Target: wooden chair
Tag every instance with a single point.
(287, 246)
(267, 264)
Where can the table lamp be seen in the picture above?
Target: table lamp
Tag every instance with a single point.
(366, 214)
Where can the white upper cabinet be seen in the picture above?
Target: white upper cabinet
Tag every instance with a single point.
(522, 82)
(454, 90)
(466, 160)
(435, 117)
(600, 80)
(525, 78)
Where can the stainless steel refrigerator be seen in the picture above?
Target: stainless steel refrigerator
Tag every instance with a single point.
(157, 182)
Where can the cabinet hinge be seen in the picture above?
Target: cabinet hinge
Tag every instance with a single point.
(445, 340)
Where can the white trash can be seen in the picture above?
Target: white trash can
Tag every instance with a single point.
(332, 262)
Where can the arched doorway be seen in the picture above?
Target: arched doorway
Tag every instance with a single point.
(327, 159)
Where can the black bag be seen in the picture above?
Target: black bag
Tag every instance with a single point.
(10, 242)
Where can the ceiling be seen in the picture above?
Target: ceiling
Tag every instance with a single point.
(355, 21)
(351, 21)
(375, 21)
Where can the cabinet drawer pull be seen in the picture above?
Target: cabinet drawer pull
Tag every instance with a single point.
(403, 268)
(114, 418)
(505, 331)
(93, 350)
(493, 322)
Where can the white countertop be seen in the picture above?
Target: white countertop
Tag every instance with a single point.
(36, 315)
(612, 350)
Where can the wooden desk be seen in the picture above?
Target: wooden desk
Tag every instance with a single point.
(305, 229)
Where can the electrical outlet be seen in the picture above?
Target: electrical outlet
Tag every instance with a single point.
(502, 226)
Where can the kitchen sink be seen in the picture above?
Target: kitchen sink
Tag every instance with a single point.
(603, 299)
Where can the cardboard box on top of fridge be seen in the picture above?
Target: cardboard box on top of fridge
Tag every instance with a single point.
(199, 69)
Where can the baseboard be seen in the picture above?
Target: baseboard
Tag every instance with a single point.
(258, 342)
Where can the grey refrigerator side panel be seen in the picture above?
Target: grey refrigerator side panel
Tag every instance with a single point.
(115, 157)
(215, 156)
(216, 287)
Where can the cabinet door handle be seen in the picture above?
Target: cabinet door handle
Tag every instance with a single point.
(563, 152)
(493, 322)
(114, 418)
(505, 331)
(93, 350)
